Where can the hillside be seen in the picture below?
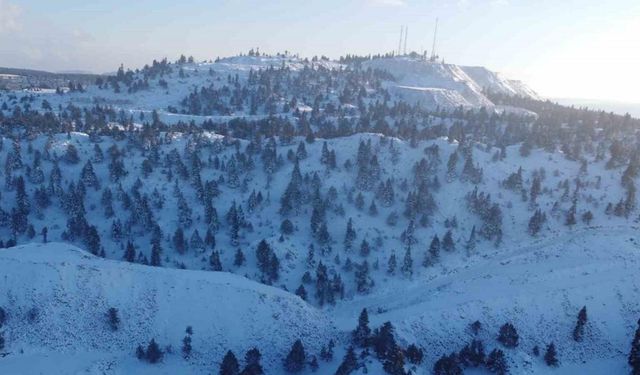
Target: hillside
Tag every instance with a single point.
(496, 82)
(71, 290)
(540, 287)
(326, 187)
(437, 84)
(57, 297)
(164, 88)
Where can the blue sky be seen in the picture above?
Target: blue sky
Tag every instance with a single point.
(587, 48)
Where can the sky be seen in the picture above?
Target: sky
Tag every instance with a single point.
(563, 49)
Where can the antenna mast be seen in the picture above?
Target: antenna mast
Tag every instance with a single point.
(400, 42)
(406, 32)
(433, 49)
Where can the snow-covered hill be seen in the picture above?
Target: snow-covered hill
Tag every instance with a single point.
(437, 84)
(341, 187)
(56, 297)
(60, 313)
(496, 82)
(540, 287)
(432, 84)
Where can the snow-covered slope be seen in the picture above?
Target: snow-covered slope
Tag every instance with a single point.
(432, 83)
(246, 63)
(539, 287)
(496, 82)
(57, 296)
(446, 85)
(355, 199)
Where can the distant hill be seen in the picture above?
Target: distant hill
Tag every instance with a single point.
(18, 78)
(606, 105)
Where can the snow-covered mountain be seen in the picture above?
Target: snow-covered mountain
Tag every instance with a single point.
(390, 184)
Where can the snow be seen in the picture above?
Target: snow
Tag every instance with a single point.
(420, 73)
(538, 283)
(416, 80)
(495, 82)
(72, 291)
(447, 85)
(540, 287)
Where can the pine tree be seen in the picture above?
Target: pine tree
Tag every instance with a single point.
(578, 331)
(153, 353)
(349, 363)
(112, 318)
(295, 360)
(140, 354)
(274, 268)
(130, 253)
(383, 340)
(447, 242)
(360, 335)
(433, 253)
(71, 154)
(634, 354)
(447, 365)
(365, 249)
(323, 289)
(286, 227)
(229, 365)
(326, 353)
(363, 282)
(239, 258)
(92, 239)
(508, 335)
(301, 292)
(196, 241)
(179, 242)
(393, 364)
(214, 261)
(3, 316)
(323, 235)
(571, 216)
(550, 356)
(414, 354)
(263, 256)
(392, 264)
(252, 363)
(156, 252)
(186, 343)
(349, 236)
(293, 195)
(497, 362)
(471, 242)
(472, 355)
(88, 176)
(475, 327)
(407, 237)
(313, 363)
(407, 263)
(536, 222)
